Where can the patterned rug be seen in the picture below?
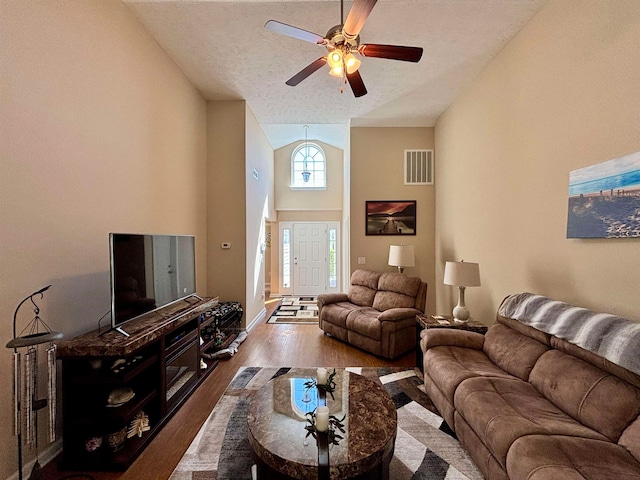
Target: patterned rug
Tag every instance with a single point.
(425, 446)
(299, 310)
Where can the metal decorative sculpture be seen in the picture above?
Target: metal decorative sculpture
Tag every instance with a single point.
(25, 380)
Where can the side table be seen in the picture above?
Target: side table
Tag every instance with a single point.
(443, 321)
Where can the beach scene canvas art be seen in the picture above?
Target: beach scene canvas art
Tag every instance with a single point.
(604, 199)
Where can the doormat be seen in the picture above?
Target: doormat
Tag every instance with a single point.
(298, 310)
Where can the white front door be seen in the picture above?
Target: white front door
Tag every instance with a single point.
(309, 258)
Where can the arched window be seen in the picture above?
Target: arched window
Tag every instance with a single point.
(308, 167)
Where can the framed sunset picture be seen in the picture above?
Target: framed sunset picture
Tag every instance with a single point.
(397, 217)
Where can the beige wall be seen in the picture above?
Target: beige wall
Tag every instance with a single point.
(562, 95)
(377, 173)
(237, 204)
(93, 141)
(329, 199)
(226, 200)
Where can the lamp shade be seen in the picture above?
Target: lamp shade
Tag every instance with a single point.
(352, 63)
(462, 274)
(401, 256)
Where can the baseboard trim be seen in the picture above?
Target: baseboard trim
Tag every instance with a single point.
(45, 457)
(258, 318)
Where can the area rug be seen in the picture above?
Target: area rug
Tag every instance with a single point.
(299, 310)
(425, 446)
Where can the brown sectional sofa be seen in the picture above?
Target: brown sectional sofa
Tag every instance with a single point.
(551, 392)
(377, 314)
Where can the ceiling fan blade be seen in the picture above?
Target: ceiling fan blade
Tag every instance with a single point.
(306, 71)
(357, 85)
(358, 14)
(295, 32)
(393, 52)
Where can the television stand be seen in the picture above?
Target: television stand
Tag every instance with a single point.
(113, 380)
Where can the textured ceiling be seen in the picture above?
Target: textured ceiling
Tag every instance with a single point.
(224, 49)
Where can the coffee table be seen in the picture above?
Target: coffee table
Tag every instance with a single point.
(276, 421)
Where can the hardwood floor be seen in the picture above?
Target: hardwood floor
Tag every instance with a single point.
(266, 345)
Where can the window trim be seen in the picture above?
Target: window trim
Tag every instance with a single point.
(292, 184)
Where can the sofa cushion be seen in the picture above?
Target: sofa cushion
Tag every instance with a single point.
(606, 335)
(337, 313)
(526, 330)
(630, 439)
(551, 457)
(596, 360)
(592, 396)
(511, 351)
(448, 366)
(396, 290)
(364, 320)
(364, 285)
(501, 410)
(482, 457)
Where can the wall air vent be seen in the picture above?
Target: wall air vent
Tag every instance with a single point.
(418, 167)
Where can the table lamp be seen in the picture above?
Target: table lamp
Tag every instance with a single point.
(401, 256)
(461, 274)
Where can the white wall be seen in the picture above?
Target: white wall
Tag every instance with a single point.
(99, 132)
(562, 95)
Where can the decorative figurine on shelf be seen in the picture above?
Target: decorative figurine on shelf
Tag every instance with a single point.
(138, 425)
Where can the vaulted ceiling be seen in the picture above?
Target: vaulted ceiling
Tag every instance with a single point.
(225, 51)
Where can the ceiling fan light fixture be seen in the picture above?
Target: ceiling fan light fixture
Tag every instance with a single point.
(336, 71)
(334, 59)
(340, 41)
(352, 63)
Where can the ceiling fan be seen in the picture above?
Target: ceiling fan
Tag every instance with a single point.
(341, 42)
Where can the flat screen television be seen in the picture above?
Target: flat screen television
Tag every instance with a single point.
(149, 272)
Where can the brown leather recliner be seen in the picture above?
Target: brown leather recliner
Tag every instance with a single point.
(377, 314)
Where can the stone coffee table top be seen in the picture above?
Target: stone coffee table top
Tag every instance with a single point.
(277, 420)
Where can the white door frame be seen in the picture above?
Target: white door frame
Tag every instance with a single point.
(310, 258)
(286, 257)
